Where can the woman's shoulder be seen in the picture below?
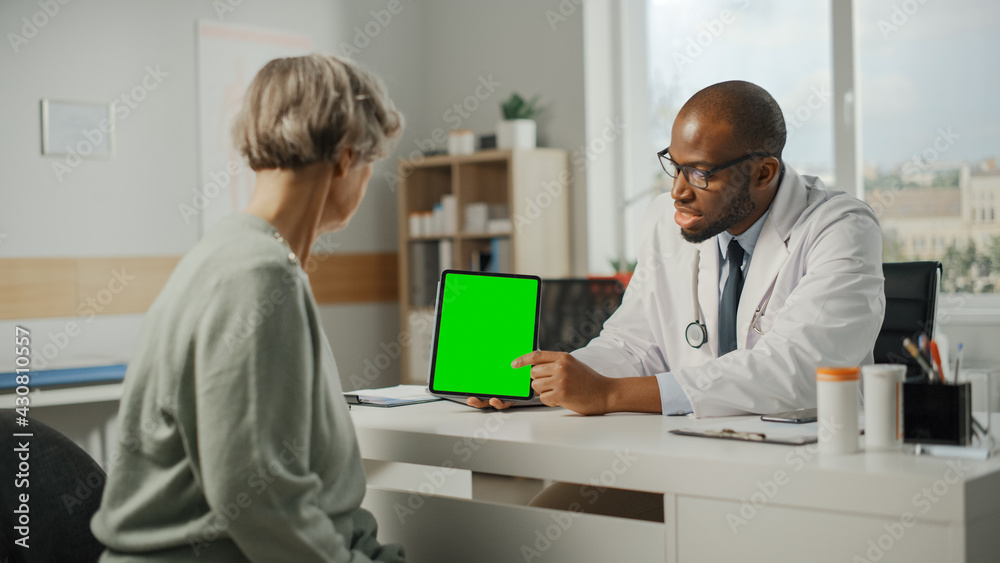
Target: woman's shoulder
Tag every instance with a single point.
(239, 256)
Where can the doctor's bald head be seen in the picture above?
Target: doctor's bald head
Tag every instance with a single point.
(755, 118)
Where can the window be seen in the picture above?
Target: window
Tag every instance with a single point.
(782, 46)
(926, 78)
(929, 74)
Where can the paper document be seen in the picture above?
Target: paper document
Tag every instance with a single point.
(390, 396)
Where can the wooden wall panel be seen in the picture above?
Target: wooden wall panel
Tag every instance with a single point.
(43, 287)
(354, 278)
(59, 287)
(122, 285)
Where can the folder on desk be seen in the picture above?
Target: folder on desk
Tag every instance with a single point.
(397, 396)
(756, 430)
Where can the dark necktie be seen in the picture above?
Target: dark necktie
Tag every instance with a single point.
(731, 299)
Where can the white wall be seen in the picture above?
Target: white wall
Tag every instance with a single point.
(430, 54)
(514, 44)
(99, 50)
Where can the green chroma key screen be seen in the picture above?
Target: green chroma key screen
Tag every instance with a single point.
(484, 322)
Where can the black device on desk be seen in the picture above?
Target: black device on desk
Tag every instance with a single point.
(800, 416)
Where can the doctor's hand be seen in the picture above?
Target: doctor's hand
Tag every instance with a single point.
(561, 380)
(494, 402)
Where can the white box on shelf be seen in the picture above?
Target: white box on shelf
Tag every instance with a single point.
(476, 216)
(416, 225)
(445, 254)
(499, 226)
(450, 204)
(426, 223)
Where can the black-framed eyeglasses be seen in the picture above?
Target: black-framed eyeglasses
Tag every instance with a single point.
(696, 176)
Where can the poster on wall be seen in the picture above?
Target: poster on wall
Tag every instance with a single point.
(229, 56)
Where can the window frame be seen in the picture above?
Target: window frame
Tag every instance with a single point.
(953, 308)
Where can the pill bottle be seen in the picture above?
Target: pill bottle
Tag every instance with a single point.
(837, 409)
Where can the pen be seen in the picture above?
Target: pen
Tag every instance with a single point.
(958, 358)
(911, 348)
(924, 348)
(936, 356)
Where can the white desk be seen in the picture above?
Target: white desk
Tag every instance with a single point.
(724, 500)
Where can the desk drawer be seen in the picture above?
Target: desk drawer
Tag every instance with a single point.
(437, 529)
(714, 530)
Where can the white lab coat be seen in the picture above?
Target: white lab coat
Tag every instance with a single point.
(821, 250)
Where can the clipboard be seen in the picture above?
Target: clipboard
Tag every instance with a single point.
(398, 396)
(730, 434)
(370, 401)
(756, 430)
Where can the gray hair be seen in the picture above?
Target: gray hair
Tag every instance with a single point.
(303, 110)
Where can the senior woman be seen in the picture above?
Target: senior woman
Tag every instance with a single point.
(235, 441)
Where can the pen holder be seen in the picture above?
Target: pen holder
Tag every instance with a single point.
(937, 413)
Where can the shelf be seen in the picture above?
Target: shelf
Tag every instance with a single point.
(479, 156)
(431, 237)
(458, 236)
(504, 234)
(493, 177)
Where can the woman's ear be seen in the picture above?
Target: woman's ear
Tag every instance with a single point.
(343, 164)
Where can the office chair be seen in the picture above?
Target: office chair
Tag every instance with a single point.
(574, 311)
(65, 486)
(911, 290)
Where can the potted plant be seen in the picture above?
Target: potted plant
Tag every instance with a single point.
(518, 128)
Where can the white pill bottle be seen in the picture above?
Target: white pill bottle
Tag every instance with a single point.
(837, 409)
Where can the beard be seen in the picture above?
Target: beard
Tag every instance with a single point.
(739, 210)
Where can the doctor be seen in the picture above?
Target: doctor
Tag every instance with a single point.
(750, 276)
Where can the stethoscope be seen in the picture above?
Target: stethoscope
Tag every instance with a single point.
(696, 333)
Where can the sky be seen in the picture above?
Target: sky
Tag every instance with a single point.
(934, 69)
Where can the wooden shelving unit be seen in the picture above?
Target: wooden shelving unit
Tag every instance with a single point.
(535, 186)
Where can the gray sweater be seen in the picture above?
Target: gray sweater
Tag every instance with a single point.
(235, 443)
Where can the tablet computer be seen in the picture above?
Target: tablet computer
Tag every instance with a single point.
(483, 322)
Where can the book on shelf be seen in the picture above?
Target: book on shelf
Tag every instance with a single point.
(421, 326)
(502, 260)
(430, 258)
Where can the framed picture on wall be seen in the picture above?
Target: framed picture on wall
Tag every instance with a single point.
(83, 129)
